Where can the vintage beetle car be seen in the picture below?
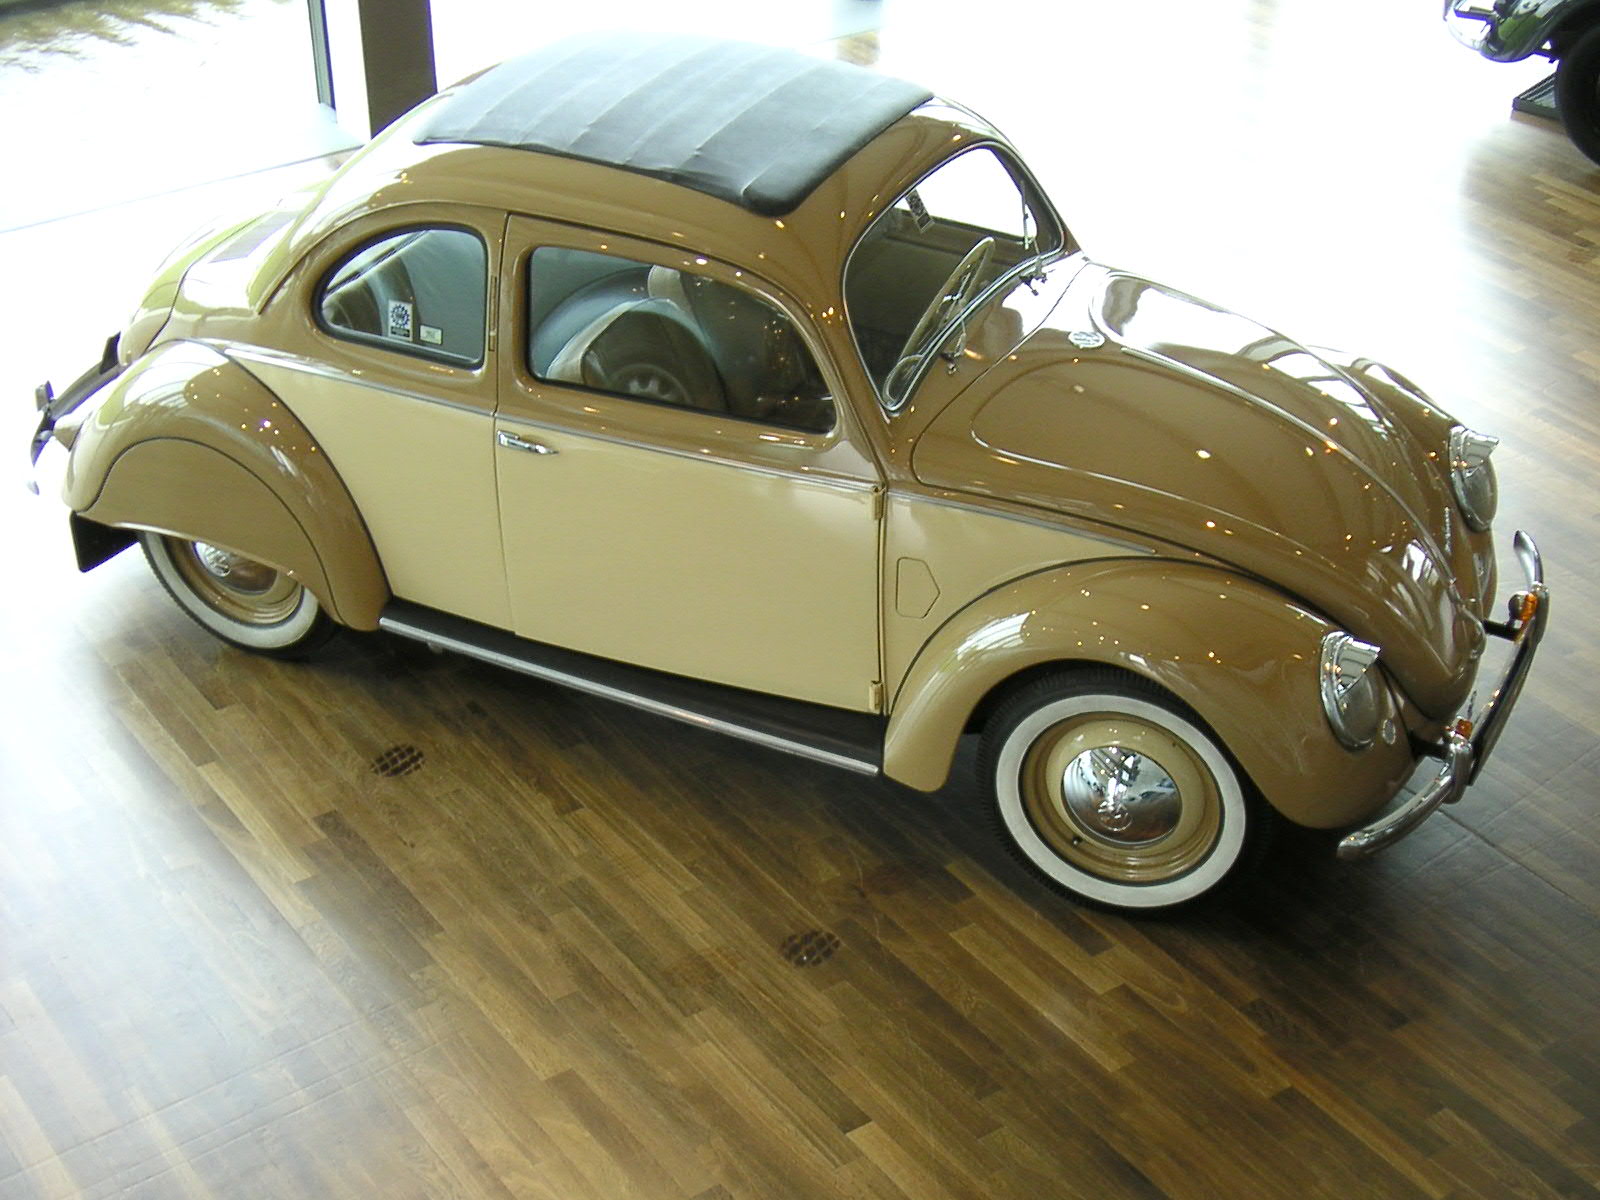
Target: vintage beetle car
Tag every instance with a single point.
(772, 394)
(1565, 30)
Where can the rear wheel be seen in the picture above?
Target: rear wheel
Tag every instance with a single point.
(1578, 91)
(245, 603)
(1113, 792)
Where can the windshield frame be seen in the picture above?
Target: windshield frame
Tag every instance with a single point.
(1049, 223)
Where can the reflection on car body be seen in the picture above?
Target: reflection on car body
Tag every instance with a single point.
(799, 414)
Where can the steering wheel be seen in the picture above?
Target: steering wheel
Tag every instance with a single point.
(951, 298)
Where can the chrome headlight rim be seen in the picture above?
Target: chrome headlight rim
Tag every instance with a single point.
(1350, 689)
(1472, 477)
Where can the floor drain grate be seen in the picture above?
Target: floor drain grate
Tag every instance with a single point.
(810, 948)
(397, 760)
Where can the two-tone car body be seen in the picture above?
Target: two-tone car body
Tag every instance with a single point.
(773, 395)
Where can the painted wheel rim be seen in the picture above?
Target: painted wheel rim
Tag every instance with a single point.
(1120, 798)
(237, 587)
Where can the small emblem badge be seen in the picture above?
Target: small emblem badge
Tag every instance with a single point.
(1114, 815)
(400, 320)
(1086, 339)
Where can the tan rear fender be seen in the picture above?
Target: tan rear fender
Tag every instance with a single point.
(188, 443)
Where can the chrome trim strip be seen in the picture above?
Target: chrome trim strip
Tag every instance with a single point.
(1445, 788)
(270, 358)
(848, 482)
(632, 699)
(1424, 530)
(1527, 635)
(1001, 514)
(1464, 756)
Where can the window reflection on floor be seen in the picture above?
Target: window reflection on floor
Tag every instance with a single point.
(144, 96)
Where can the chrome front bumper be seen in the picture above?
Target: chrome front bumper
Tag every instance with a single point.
(1505, 30)
(1467, 746)
(1470, 21)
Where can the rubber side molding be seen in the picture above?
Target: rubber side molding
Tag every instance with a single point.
(853, 741)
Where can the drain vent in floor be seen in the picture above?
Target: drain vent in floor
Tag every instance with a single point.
(809, 948)
(397, 760)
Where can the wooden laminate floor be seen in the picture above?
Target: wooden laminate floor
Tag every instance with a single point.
(397, 925)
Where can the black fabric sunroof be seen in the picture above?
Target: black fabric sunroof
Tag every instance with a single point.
(756, 125)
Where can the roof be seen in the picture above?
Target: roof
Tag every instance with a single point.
(755, 125)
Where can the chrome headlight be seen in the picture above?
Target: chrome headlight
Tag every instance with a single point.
(1350, 686)
(1472, 476)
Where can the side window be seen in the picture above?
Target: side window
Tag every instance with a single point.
(669, 336)
(421, 291)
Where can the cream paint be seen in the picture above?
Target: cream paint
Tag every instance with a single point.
(967, 551)
(755, 578)
(422, 475)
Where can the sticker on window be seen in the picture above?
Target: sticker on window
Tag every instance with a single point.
(400, 320)
(431, 335)
(919, 210)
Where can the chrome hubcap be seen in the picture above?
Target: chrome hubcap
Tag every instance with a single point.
(1121, 797)
(235, 586)
(214, 559)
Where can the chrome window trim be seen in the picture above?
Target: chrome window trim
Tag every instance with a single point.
(743, 282)
(276, 358)
(358, 338)
(1009, 159)
(1038, 522)
(849, 482)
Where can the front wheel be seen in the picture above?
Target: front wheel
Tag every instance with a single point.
(1578, 91)
(245, 603)
(1112, 792)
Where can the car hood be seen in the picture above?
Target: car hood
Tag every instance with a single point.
(1141, 407)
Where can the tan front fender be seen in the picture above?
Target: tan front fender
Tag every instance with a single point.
(1242, 656)
(188, 443)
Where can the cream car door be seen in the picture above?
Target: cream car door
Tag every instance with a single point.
(677, 488)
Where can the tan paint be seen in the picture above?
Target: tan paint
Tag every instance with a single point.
(797, 261)
(968, 551)
(915, 589)
(753, 579)
(188, 443)
(422, 474)
(197, 492)
(685, 540)
(1298, 478)
(1243, 657)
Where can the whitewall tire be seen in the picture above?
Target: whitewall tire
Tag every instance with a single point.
(245, 603)
(1113, 792)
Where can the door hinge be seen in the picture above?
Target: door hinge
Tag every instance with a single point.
(875, 696)
(877, 504)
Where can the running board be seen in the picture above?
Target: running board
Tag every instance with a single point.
(834, 736)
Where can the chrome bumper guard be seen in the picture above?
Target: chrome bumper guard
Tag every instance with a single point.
(1470, 21)
(1467, 747)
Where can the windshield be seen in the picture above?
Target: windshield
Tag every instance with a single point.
(918, 269)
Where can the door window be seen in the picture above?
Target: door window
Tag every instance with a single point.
(420, 291)
(667, 336)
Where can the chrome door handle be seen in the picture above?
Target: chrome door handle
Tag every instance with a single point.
(512, 442)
